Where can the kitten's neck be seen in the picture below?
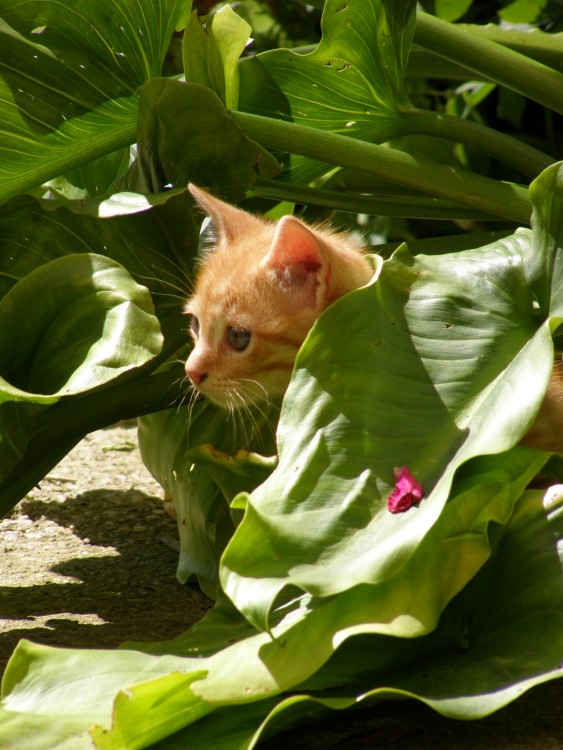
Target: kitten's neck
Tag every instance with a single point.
(348, 268)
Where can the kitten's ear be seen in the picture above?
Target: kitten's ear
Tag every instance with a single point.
(230, 222)
(297, 259)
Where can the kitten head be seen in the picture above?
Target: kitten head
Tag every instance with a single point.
(257, 294)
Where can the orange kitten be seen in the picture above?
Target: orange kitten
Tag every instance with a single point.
(258, 293)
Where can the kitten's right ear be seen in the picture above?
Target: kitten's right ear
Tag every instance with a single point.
(297, 260)
(230, 222)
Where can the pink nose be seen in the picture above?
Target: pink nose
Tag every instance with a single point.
(196, 377)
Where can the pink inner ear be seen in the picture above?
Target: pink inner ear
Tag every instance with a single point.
(295, 252)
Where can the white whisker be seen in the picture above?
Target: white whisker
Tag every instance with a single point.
(182, 291)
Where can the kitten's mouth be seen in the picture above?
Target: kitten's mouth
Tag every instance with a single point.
(232, 398)
(235, 397)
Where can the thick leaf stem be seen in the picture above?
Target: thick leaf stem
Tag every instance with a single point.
(498, 63)
(500, 199)
(420, 207)
(520, 156)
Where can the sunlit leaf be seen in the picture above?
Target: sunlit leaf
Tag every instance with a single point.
(352, 83)
(69, 71)
(430, 378)
(211, 56)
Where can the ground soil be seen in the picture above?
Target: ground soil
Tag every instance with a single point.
(88, 560)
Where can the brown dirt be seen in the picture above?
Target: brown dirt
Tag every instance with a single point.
(89, 558)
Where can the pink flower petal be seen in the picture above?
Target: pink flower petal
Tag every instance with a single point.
(407, 492)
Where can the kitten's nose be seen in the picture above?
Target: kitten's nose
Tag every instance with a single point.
(196, 377)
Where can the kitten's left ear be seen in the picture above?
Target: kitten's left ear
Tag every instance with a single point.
(297, 259)
(230, 222)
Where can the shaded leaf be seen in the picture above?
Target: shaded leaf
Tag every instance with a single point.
(202, 481)
(93, 324)
(544, 266)
(156, 246)
(173, 113)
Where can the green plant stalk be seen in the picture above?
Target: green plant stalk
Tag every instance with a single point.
(497, 198)
(402, 206)
(528, 77)
(508, 150)
(539, 45)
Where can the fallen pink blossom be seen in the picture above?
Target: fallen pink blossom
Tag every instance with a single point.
(407, 492)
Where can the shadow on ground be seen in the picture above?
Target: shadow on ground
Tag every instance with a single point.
(94, 571)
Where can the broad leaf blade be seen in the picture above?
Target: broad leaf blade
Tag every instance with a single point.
(501, 636)
(211, 55)
(155, 239)
(65, 692)
(353, 83)
(94, 323)
(443, 348)
(544, 266)
(68, 76)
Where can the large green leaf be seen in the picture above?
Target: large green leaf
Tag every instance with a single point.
(65, 706)
(46, 347)
(211, 55)
(501, 636)
(471, 665)
(447, 361)
(94, 323)
(543, 264)
(154, 237)
(353, 84)
(69, 71)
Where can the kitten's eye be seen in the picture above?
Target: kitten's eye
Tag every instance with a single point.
(238, 338)
(194, 325)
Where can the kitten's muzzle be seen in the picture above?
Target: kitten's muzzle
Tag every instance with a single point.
(197, 378)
